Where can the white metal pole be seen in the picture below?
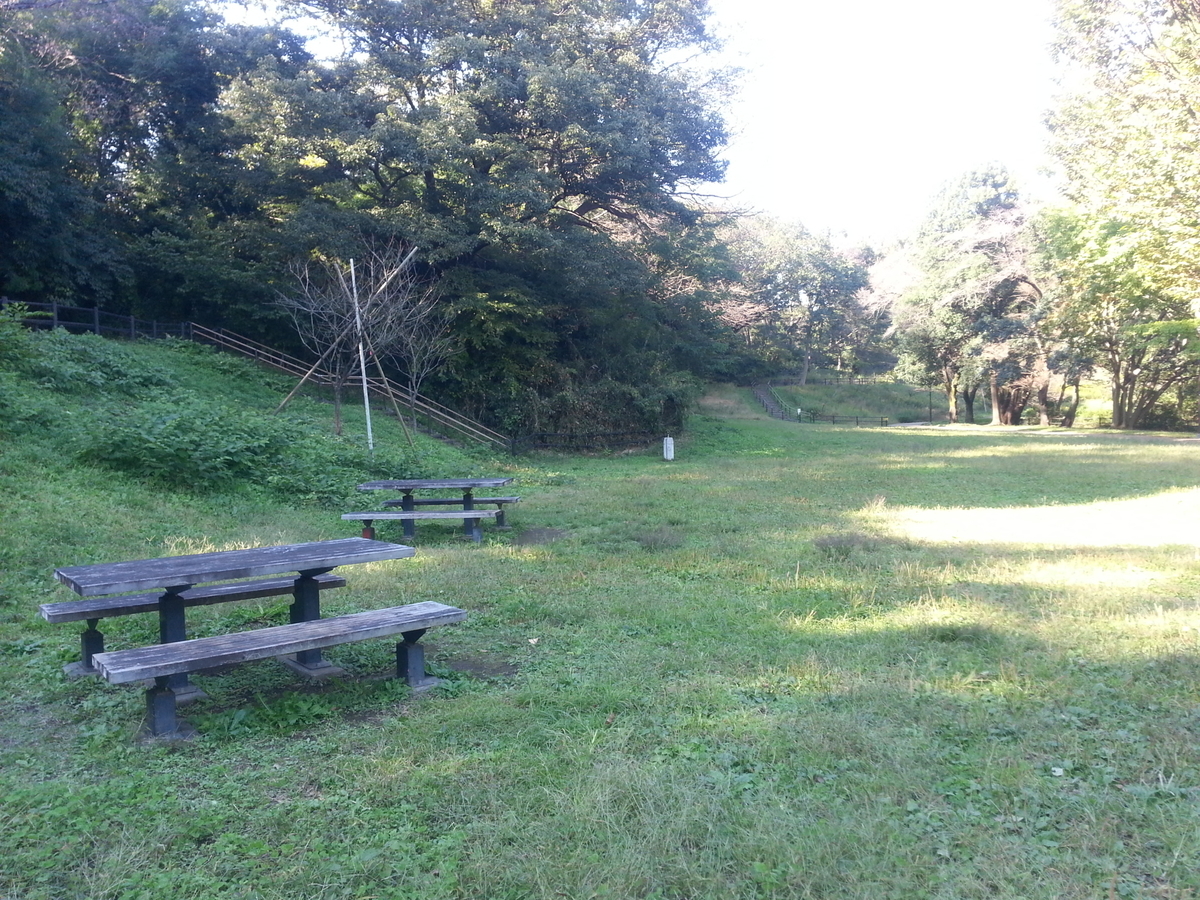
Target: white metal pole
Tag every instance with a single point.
(362, 358)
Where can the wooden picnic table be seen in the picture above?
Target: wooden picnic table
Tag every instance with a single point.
(105, 588)
(408, 503)
(174, 575)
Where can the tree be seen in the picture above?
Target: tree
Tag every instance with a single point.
(520, 145)
(54, 247)
(1125, 130)
(808, 290)
(973, 314)
(157, 214)
(374, 308)
(1119, 313)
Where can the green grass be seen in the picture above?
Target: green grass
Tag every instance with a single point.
(794, 662)
(894, 401)
(899, 403)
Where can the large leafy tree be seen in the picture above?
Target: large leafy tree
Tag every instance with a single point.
(1125, 130)
(160, 214)
(808, 293)
(1120, 312)
(53, 246)
(489, 122)
(538, 153)
(972, 315)
(1128, 256)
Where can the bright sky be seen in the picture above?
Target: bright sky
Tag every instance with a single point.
(853, 115)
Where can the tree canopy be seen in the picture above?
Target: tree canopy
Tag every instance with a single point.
(539, 154)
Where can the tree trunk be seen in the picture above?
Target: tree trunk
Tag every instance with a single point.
(968, 398)
(948, 383)
(1011, 402)
(994, 385)
(1042, 396)
(1069, 418)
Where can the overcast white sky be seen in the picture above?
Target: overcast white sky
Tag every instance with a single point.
(853, 115)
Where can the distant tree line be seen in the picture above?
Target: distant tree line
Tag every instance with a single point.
(544, 157)
(1023, 303)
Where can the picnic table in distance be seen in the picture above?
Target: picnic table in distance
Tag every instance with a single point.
(408, 504)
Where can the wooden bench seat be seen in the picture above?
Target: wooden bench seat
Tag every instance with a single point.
(164, 660)
(92, 609)
(500, 503)
(470, 518)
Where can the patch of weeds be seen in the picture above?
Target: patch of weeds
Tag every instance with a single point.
(661, 538)
(958, 633)
(281, 715)
(841, 546)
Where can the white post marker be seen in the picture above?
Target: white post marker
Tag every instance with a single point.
(668, 448)
(362, 359)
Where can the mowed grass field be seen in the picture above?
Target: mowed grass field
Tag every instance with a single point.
(796, 662)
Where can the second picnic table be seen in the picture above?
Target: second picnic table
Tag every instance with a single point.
(408, 503)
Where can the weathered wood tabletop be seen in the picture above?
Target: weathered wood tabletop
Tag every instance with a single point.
(419, 484)
(223, 565)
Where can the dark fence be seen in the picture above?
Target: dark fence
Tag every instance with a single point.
(78, 320)
(881, 421)
(587, 441)
(837, 379)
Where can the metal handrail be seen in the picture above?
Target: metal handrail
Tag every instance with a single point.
(431, 409)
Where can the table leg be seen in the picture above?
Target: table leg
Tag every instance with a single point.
(306, 607)
(410, 661)
(470, 526)
(160, 707)
(91, 642)
(172, 627)
(406, 504)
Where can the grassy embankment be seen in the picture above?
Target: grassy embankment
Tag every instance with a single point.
(796, 662)
(901, 403)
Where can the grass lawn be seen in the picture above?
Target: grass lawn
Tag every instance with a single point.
(798, 661)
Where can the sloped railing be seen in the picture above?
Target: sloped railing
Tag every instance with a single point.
(776, 406)
(440, 418)
(766, 395)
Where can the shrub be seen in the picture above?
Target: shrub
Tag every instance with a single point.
(16, 346)
(326, 469)
(85, 363)
(185, 441)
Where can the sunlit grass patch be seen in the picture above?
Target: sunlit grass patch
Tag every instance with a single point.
(1169, 518)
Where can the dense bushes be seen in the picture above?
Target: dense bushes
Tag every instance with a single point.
(183, 440)
(111, 405)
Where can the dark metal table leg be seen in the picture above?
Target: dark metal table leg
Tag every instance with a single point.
(172, 627)
(406, 504)
(91, 642)
(160, 708)
(306, 607)
(410, 661)
(470, 526)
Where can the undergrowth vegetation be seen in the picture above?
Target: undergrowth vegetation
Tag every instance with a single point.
(184, 416)
(758, 671)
